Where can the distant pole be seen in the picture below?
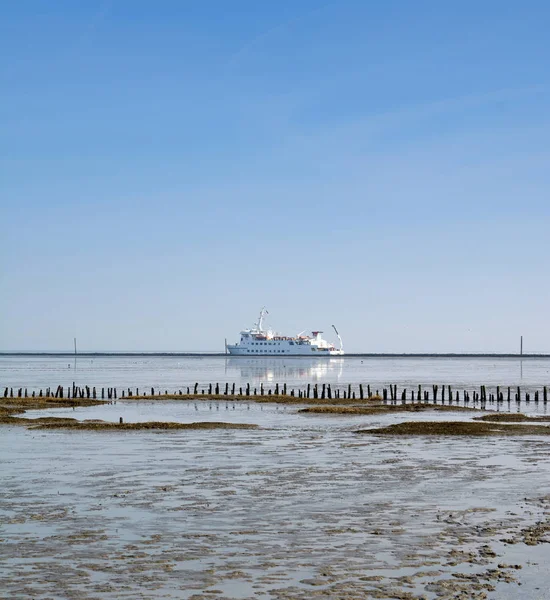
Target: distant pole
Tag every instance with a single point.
(521, 346)
(226, 345)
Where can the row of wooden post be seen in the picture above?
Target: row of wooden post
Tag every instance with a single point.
(59, 392)
(322, 391)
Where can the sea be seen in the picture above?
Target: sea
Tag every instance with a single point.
(176, 372)
(301, 507)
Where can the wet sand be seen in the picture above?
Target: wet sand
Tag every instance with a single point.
(301, 507)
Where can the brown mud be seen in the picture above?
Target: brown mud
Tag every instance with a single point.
(456, 428)
(73, 424)
(512, 418)
(266, 398)
(11, 407)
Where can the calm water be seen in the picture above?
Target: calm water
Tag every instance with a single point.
(175, 372)
(300, 508)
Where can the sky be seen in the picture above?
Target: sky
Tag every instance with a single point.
(168, 168)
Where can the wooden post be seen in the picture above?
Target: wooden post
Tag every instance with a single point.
(323, 391)
(196, 388)
(308, 390)
(360, 391)
(368, 390)
(329, 392)
(233, 389)
(248, 389)
(210, 390)
(284, 389)
(226, 389)
(217, 389)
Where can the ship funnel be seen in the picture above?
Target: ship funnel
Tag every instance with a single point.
(339, 338)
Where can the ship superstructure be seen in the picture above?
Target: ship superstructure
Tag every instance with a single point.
(258, 341)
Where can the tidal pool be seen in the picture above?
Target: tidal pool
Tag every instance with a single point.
(300, 508)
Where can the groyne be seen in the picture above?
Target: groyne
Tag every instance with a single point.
(282, 393)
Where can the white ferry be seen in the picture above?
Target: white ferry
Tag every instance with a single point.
(261, 342)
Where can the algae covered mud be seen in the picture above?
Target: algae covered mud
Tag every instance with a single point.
(236, 498)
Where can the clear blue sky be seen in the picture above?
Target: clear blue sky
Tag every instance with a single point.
(167, 168)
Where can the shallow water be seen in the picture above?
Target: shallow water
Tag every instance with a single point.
(176, 372)
(299, 509)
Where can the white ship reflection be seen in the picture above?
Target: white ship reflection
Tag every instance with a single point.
(280, 369)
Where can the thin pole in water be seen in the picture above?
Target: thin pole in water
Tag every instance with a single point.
(521, 346)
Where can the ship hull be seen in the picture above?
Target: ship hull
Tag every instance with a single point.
(238, 350)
